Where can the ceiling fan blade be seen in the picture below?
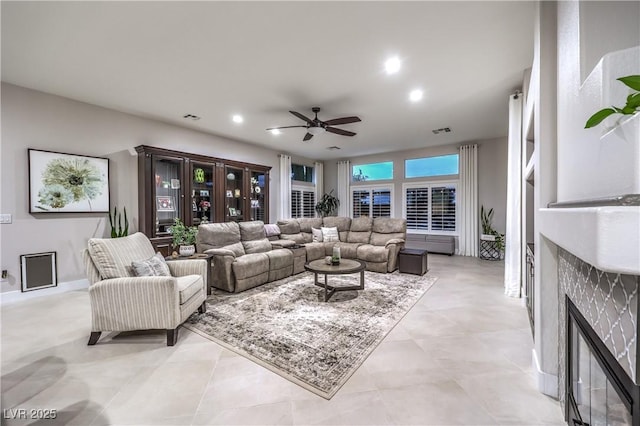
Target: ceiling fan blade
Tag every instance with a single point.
(284, 127)
(301, 117)
(339, 131)
(307, 137)
(343, 120)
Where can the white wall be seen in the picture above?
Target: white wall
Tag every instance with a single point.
(492, 173)
(32, 119)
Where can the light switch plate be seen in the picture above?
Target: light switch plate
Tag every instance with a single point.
(5, 218)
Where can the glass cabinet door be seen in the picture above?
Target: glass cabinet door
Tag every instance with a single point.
(234, 196)
(168, 193)
(257, 196)
(202, 193)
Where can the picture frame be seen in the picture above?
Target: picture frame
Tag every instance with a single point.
(229, 193)
(67, 183)
(175, 183)
(237, 193)
(255, 203)
(38, 271)
(232, 211)
(204, 192)
(165, 203)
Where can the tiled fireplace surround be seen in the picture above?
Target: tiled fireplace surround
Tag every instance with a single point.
(609, 303)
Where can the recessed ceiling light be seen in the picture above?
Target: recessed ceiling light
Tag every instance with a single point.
(237, 118)
(392, 65)
(415, 95)
(275, 131)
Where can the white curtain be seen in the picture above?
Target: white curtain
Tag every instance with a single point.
(344, 180)
(468, 240)
(318, 172)
(284, 205)
(513, 247)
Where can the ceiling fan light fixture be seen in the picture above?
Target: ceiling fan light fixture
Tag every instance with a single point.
(316, 130)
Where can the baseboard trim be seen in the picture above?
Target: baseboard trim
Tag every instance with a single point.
(546, 383)
(19, 296)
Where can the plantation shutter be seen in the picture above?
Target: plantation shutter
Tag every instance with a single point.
(360, 203)
(443, 208)
(308, 204)
(417, 208)
(296, 203)
(381, 206)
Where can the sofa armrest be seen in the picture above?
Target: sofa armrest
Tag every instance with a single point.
(397, 241)
(278, 244)
(220, 252)
(180, 268)
(135, 303)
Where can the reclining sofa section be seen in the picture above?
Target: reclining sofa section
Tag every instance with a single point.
(243, 256)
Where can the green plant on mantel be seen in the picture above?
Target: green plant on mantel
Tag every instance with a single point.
(632, 106)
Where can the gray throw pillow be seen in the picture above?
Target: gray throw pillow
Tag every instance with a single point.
(152, 267)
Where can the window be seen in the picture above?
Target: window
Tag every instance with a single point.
(372, 171)
(301, 173)
(431, 166)
(303, 202)
(430, 207)
(371, 202)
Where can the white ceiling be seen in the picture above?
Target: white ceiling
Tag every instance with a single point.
(261, 59)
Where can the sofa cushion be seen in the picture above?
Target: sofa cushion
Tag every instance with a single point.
(155, 266)
(342, 223)
(257, 246)
(251, 231)
(317, 235)
(279, 258)
(237, 249)
(217, 235)
(388, 225)
(348, 250)
(382, 239)
(250, 265)
(330, 234)
(359, 237)
(315, 251)
(289, 226)
(306, 223)
(113, 256)
(188, 285)
(370, 253)
(361, 224)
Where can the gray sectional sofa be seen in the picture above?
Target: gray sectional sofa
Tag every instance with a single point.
(245, 257)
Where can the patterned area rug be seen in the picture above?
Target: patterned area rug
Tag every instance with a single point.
(286, 326)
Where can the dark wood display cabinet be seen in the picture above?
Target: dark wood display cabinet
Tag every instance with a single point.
(197, 189)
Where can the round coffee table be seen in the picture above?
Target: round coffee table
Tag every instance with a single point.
(346, 266)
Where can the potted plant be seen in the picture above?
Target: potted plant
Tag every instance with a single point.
(327, 204)
(488, 233)
(115, 221)
(184, 237)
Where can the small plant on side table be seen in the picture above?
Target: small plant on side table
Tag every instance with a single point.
(632, 106)
(486, 217)
(184, 237)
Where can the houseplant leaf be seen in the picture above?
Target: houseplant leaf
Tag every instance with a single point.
(633, 81)
(597, 118)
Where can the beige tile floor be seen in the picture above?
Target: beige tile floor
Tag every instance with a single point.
(462, 355)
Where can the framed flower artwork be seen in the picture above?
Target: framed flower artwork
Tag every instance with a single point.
(67, 183)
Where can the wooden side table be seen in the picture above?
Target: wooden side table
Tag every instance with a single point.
(197, 256)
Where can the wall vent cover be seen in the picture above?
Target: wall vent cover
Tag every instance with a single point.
(333, 148)
(441, 130)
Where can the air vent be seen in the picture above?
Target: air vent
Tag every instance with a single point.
(442, 130)
(333, 148)
(191, 117)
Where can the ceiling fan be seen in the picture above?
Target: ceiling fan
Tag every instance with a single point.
(316, 127)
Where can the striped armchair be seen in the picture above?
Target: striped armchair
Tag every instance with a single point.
(121, 301)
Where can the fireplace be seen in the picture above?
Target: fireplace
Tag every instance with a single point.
(598, 390)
